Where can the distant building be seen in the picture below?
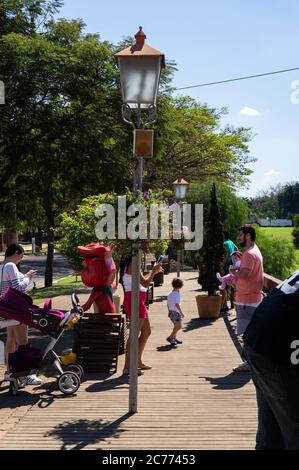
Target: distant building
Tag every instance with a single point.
(275, 222)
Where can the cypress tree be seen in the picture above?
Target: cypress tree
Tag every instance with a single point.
(213, 250)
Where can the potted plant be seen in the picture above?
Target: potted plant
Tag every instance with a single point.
(211, 257)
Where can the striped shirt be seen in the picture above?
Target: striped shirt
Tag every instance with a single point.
(10, 276)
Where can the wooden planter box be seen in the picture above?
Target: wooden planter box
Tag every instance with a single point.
(166, 267)
(159, 279)
(97, 341)
(150, 295)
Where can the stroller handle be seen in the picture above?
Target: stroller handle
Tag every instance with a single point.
(75, 301)
(72, 316)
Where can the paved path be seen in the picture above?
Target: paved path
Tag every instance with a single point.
(61, 267)
(189, 400)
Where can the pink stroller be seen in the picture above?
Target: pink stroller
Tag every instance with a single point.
(18, 307)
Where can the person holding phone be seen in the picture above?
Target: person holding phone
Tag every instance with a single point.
(144, 324)
(160, 259)
(10, 276)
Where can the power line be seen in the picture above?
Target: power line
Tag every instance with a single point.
(238, 79)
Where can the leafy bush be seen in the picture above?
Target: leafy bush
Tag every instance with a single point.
(295, 232)
(79, 226)
(279, 257)
(233, 212)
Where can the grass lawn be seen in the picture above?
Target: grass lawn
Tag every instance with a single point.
(281, 233)
(64, 287)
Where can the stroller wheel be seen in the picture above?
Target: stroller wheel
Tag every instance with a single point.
(77, 369)
(68, 383)
(13, 388)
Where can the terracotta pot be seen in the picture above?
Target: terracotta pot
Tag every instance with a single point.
(209, 306)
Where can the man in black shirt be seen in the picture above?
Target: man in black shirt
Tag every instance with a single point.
(271, 348)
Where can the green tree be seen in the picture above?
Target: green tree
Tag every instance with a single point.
(213, 250)
(288, 200)
(26, 16)
(190, 142)
(265, 204)
(233, 209)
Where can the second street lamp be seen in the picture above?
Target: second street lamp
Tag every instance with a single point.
(180, 192)
(140, 69)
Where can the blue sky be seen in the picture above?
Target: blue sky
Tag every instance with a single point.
(217, 40)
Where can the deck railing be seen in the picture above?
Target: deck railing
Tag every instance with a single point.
(271, 282)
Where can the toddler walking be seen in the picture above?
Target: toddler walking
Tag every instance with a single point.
(175, 313)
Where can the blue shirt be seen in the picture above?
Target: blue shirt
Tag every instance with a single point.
(230, 247)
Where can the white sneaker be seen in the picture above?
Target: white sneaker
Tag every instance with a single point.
(33, 380)
(243, 367)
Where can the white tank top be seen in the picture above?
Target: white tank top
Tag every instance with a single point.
(127, 281)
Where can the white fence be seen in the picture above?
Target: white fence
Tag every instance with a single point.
(275, 222)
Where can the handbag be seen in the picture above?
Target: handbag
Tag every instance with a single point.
(25, 358)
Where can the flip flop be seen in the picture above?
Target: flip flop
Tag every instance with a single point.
(144, 367)
(127, 373)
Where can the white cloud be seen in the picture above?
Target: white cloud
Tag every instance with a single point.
(247, 111)
(271, 173)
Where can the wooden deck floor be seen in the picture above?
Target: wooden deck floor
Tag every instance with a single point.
(189, 400)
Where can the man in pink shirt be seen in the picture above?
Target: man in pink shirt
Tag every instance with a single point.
(250, 283)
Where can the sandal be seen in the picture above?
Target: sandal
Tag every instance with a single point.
(127, 372)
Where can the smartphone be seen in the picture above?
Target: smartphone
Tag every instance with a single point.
(160, 259)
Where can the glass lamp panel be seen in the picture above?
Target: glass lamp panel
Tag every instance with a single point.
(140, 80)
(180, 191)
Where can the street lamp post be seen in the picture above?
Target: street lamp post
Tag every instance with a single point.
(140, 69)
(180, 191)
